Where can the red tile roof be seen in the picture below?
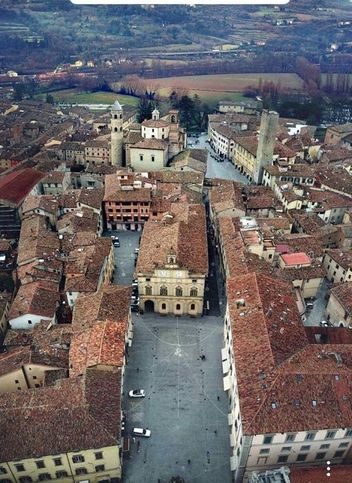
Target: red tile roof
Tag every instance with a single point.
(296, 259)
(15, 186)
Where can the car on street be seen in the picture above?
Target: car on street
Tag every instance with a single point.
(324, 323)
(137, 393)
(142, 432)
(136, 251)
(116, 243)
(134, 307)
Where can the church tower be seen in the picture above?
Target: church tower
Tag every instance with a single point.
(116, 134)
(155, 115)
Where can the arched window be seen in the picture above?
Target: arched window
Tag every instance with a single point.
(178, 307)
(163, 306)
(163, 290)
(115, 116)
(148, 290)
(173, 119)
(193, 307)
(194, 292)
(115, 129)
(179, 291)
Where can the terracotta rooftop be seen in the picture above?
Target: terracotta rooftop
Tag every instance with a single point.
(299, 258)
(92, 198)
(48, 203)
(156, 123)
(36, 240)
(171, 176)
(152, 143)
(184, 231)
(102, 344)
(85, 264)
(342, 257)
(37, 298)
(76, 414)
(111, 303)
(290, 385)
(14, 187)
(54, 177)
(336, 178)
(343, 293)
(338, 474)
(114, 191)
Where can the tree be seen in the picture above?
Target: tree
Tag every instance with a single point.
(145, 108)
(50, 99)
(18, 92)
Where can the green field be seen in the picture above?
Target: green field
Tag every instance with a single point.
(75, 96)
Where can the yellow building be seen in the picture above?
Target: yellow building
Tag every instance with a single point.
(63, 433)
(173, 262)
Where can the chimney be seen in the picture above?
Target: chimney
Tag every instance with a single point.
(266, 142)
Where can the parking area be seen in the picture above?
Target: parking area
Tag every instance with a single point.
(185, 406)
(223, 170)
(125, 256)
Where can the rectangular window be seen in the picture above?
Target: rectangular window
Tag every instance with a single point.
(99, 455)
(282, 458)
(141, 157)
(40, 464)
(305, 447)
(320, 456)
(153, 158)
(330, 434)
(324, 446)
(339, 454)
(100, 468)
(19, 467)
(290, 437)
(57, 462)
(78, 458)
(348, 433)
(268, 439)
(81, 471)
(301, 457)
(286, 448)
(310, 436)
(343, 445)
(264, 451)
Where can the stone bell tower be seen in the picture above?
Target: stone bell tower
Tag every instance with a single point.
(116, 147)
(266, 142)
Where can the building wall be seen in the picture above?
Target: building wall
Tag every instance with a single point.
(252, 453)
(110, 461)
(155, 132)
(309, 288)
(124, 212)
(27, 321)
(173, 304)
(142, 159)
(336, 313)
(4, 319)
(244, 160)
(335, 272)
(28, 376)
(97, 155)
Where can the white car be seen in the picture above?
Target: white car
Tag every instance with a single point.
(137, 393)
(141, 432)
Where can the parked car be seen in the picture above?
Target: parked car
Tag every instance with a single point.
(323, 323)
(116, 243)
(137, 393)
(136, 251)
(142, 432)
(134, 307)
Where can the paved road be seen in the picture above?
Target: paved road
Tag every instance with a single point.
(224, 170)
(317, 314)
(124, 255)
(181, 409)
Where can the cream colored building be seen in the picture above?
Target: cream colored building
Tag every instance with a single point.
(338, 265)
(152, 144)
(173, 262)
(339, 308)
(282, 405)
(63, 433)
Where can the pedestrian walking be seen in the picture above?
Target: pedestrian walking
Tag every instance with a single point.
(134, 440)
